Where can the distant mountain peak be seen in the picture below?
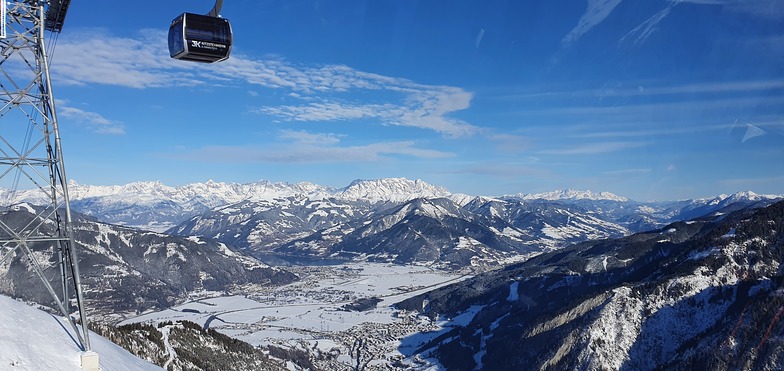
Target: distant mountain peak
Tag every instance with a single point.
(751, 196)
(740, 196)
(391, 189)
(572, 194)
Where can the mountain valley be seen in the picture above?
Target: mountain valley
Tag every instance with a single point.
(128, 271)
(402, 274)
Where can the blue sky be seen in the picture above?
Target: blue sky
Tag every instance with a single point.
(650, 100)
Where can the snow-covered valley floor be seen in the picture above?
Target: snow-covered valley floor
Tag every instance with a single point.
(312, 313)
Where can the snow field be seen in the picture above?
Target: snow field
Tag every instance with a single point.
(311, 310)
(31, 339)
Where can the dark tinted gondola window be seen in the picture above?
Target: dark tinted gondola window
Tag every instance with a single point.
(176, 44)
(215, 30)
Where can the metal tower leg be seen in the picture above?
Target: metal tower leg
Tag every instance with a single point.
(31, 157)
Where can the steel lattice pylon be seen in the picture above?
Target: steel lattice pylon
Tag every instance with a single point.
(31, 159)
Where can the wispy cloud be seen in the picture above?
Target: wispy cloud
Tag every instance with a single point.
(752, 131)
(94, 121)
(479, 37)
(595, 148)
(711, 87)
(643, 89)
(329, 111)
(762, 8)
(596, 12)
(658, 110)
(599, 132)
(659, 114)
(640, 33)
(309, 138)
(94, 57)
(142, 62)
(306, 147)
(424, 107)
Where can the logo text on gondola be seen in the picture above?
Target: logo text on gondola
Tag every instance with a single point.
(206, 45)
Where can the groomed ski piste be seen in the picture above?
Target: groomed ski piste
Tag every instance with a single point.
(31, 339)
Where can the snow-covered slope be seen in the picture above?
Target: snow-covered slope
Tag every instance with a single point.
(571, 194)
(31, 339)
(390, 190)
(264, 225)
(434, 232)
(155, 206)
(429, 229)
(550, 224)
(699, 294)
(158, 207)
(265, 216)
(128, 270)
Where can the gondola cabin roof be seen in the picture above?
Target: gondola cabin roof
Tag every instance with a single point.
(55, 15)
(200, 38)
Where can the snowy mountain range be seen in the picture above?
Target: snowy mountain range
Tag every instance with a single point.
(441, 233)
(571, 194)
(394, 219)
(155, 206)
(442, 230)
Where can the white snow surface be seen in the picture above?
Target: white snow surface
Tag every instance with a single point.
(215, 194)
(644, 333)
(31, 339)
(513, 295)
(312, 311)
(736, 197)
(571, 194)
(390, 189)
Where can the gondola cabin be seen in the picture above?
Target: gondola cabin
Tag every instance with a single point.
(200, 38)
